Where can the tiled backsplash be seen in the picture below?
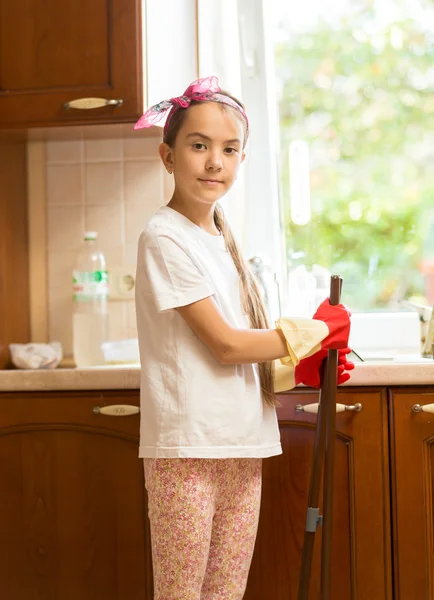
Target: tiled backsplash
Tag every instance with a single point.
(111, 186)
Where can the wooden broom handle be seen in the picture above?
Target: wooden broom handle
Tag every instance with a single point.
(335, 289)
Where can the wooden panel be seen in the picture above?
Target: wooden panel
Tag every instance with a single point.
(412, 461)
(361, 541)
(52, 52)
(74, 519)
(79, 32)
(14, 304)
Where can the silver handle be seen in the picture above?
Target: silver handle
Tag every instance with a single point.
(116, 410)
(89, 103)
(427, 408)
(313, 408)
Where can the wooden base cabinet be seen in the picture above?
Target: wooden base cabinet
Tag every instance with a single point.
(412, 478)
(361, 529)
(73, 513)
(73, 507)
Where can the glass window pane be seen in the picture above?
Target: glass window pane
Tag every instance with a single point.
(355, 83)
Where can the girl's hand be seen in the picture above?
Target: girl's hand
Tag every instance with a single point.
(337, 319)
(308, 371)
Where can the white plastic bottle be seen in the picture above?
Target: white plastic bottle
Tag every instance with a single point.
(90, 293)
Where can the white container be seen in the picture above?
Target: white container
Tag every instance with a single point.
(90, 293)
(121, 352)
(385, 334)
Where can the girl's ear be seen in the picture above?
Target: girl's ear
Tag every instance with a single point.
(166, 155)
(243, 156)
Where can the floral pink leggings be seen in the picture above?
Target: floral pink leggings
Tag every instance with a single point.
(204, 516)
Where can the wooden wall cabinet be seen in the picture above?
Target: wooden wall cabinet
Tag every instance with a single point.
(124, 51)
(53, 52)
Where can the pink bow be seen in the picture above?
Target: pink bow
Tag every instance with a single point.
(201, 89)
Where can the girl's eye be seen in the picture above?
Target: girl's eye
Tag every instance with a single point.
(230, 150)
(198, 146)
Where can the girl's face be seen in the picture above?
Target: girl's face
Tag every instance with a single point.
(207, 152)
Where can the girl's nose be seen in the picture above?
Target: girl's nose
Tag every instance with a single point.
(214, 161)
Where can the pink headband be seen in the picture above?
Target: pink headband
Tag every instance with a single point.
(206, 89)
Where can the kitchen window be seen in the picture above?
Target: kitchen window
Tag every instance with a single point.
(356, 109)
(352, 143)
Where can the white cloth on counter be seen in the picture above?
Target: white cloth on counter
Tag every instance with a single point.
(36, 356)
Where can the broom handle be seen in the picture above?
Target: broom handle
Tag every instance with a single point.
(318, 458)
(329, 394)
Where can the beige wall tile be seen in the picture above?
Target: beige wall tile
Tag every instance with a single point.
(60, 318)
(60, 266)
(143, 181)
(141, 148)
(64, 151)
(131, 332)
(102, 150)
(131, 315)
(136, 218)
(107, 221)
(131, 252)
(117, 320)
(131, 324)
(114, 255)
(103, 183)
(65, 228)
(64, 185)
(112, 186)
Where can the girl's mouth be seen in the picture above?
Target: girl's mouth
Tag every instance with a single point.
(210, 181)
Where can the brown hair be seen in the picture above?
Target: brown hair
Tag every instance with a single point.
(250, 294)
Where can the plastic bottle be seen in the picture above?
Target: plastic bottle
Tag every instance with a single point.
(90, 293)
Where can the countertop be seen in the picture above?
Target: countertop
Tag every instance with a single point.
(128, 377)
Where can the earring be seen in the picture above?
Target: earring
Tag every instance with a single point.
(169, 170)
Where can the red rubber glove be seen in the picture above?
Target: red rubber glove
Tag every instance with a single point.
(337, 319)
(308, 371)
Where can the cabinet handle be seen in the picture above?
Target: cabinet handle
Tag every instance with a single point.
(89, 103)
(313, 408)
(428, 408)
(116, 410)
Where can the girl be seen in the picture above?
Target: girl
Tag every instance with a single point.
(207, 384)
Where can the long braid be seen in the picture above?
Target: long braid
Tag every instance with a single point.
(251, 301)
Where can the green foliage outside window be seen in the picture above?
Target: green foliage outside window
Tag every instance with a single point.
(362, 97)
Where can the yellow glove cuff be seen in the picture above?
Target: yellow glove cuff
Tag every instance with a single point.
(284, 377)
(303, 338)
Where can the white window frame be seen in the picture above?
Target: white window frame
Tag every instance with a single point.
(234, 44)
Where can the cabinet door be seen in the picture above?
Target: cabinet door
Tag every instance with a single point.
(14, 268)
(412, 462)
(361, 539)
(53, 52)
(73, 513)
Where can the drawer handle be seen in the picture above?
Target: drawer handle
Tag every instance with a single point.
(427, 408)
(313, 408)
(116, 410)
(89, 103)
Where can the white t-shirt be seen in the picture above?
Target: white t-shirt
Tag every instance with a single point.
(191, 405)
